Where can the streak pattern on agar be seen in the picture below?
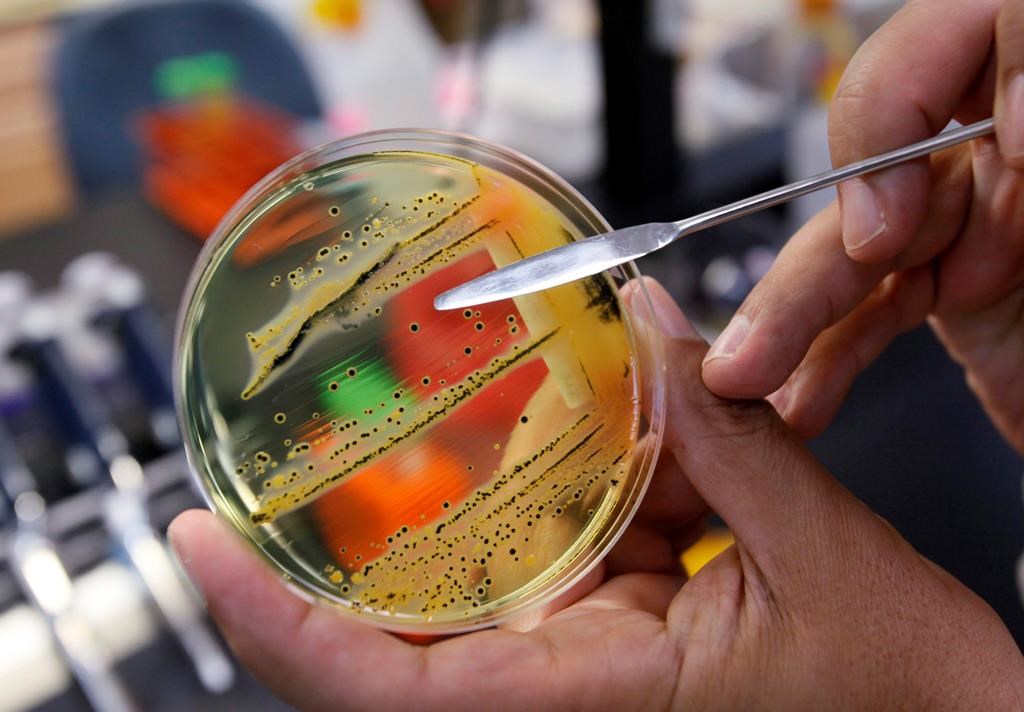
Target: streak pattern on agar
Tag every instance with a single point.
(431, 466)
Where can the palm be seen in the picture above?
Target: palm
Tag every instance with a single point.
(605, 643)
(611, 648)
(732, 637)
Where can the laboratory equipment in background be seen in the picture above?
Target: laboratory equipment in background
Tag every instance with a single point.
(33, 565)
(643, 165)
(86, 581)
(47, 586)
(358, 54)
(103, 458)
(780, 69)
(115, 301)
(540, 87)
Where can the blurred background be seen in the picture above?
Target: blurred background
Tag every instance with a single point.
(127, 129)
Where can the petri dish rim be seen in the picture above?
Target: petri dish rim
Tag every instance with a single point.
(549, 186)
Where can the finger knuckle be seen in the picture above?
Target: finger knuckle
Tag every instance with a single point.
(730, 420)
(852, 104)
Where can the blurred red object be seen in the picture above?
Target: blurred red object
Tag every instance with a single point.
(202, 156)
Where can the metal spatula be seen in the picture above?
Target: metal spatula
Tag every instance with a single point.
(596, 254)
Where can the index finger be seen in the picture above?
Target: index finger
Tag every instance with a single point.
(904, 85)
(814, 284)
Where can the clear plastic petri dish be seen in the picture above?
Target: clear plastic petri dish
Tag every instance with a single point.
(429, 472)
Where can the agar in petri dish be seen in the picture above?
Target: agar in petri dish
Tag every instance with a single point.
(429, 471)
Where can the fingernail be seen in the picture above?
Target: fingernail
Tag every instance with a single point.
(670, 318)
(780, 400)
(863, 219)
(1011, 136)
(185, 565)
(729, 341)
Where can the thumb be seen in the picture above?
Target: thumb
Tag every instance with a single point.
(740, 456)
(1009, 109)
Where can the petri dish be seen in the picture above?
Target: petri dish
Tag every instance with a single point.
(429, 472)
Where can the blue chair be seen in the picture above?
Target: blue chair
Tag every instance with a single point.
(106, 66)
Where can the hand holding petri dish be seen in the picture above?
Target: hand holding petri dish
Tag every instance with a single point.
(430, 472)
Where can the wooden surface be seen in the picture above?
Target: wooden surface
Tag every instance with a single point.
(35, 186)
